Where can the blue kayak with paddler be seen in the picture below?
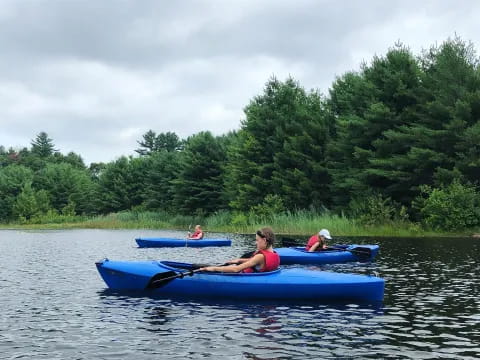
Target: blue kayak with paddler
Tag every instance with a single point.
(167, 278)
(331, 255)
(145, 242)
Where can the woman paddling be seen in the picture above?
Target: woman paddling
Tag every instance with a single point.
(318, 241)
(197, 235)
(262, 260)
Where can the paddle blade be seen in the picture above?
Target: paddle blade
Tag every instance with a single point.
(363, 253)
(247, 255)
(285, 241)
(161, 279)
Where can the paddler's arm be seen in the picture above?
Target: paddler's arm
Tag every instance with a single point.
(314, 247)
(237, 261)
(254, 261)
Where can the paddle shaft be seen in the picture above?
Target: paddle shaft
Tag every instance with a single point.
(247, 255)
(158, 280)
(156, 283)
(360, 251)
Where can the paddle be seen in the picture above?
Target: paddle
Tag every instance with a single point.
(247, 255)
(361, 252)
(288, 241)
(161, 279)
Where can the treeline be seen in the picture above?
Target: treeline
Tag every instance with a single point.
(398, 140)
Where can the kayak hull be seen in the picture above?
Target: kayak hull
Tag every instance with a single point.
(345, 253)
(172, 242)
(282, 284)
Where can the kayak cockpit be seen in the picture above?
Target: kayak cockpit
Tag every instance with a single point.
(337, 248)
(178, 266)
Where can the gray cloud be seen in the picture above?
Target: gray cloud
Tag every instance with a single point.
(96, 75)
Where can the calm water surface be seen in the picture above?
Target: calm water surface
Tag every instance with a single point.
(54, 305)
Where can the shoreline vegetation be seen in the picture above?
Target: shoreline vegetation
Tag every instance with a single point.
(292, 223)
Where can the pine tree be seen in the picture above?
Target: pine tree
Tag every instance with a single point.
(65, 183)
(153, 143)
(168, 141)
(424, 148)
(199, 186)
(147, 146)
(43, 146)
(121, 184)
(25, 206)
(12, 180)
(370, 107)
(280, 149)
(163, 168)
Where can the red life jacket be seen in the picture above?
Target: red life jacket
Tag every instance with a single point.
(312, 241)
(272, 261)
(197, 235)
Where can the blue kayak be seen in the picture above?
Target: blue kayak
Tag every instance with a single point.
(333, 255)
(281, 284)
(172, 242)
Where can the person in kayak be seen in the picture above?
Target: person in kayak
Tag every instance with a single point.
(262, 260)
(318, 242)
(197, 235)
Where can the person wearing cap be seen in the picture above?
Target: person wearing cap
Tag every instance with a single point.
(318, 241)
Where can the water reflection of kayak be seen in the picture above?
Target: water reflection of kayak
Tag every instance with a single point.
(172, 279)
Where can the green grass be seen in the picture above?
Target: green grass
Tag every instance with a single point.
(307, 223)
(291, 223)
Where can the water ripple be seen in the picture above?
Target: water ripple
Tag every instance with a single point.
(55, 306)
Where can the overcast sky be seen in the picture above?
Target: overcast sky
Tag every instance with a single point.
(98, 74)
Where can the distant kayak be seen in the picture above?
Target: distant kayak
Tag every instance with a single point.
(167, 278)
(335, 254)
(172, 242)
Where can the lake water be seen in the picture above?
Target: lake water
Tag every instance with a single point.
(54, 305)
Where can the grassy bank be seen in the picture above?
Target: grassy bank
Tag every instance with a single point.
(295, 223)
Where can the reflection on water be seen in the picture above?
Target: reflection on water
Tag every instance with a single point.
(55, 305)
(241, 328)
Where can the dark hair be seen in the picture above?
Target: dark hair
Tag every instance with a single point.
(267, 234)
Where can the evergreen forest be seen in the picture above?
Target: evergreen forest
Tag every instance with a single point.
(396, 141)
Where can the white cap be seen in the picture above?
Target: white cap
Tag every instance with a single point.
(325, 233)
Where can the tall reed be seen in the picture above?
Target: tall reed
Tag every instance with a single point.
(301, 222)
